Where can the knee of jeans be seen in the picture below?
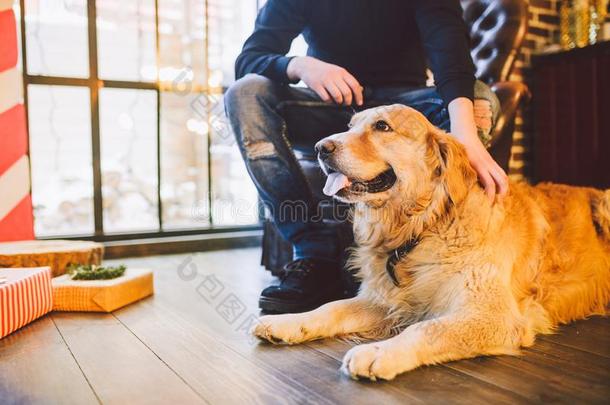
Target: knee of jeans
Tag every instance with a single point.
(486, 110)
(484, 92)
(242, 91)
(259, 149)
(241, 109)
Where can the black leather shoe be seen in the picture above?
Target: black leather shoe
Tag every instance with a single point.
(305, 284)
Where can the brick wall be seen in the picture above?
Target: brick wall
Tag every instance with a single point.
(543, 31)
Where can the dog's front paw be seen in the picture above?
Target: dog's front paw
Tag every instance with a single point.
(279, 329)
(374, 361)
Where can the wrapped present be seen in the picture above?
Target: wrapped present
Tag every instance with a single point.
(101, 295)
(25, 294)
(57, 254)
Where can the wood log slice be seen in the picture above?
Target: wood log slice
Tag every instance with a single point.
(57, 254)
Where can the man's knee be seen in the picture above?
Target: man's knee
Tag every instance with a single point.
(246, 88)
(484, 93)
(247, 114)
(486, 110)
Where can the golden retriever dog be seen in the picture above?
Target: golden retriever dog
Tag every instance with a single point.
(446, 274)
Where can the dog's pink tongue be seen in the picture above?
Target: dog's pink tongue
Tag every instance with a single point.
(335, 182)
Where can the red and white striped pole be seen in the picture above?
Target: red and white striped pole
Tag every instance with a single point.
(16, 216)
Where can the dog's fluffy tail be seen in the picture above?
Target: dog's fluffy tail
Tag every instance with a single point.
(601, 214)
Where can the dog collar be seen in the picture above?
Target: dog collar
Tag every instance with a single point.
(382, 182)
(396, 255)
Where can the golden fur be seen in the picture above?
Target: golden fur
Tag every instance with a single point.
(484, 279)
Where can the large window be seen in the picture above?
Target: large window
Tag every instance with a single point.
(126, 121)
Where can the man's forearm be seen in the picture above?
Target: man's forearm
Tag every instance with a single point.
(294, 68)
(461, 115)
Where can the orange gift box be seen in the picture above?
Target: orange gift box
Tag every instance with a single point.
(25, 295)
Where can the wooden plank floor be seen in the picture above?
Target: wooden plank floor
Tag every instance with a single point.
(188, 344)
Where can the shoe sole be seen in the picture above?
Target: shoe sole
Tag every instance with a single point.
(279, 306)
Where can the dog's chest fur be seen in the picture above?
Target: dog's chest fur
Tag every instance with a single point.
(426, 281)
(432, 276)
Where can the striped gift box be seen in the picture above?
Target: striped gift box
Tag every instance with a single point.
(25, 294)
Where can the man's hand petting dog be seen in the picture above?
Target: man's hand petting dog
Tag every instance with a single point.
(464, 127)
(330, 82)
(490, 174)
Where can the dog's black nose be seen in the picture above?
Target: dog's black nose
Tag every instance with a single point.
(325, 148)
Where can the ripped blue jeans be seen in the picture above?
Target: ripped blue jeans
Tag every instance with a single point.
(272, 122)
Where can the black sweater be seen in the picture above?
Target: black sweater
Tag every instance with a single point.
(380, 42)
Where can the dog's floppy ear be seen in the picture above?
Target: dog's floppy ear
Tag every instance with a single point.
(453, 167)
(411, 123)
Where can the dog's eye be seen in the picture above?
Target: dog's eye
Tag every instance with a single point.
(382, 126)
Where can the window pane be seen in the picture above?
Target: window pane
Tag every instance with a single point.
(234, 198)
(56, 37)
(60, 151)
(126, 40)
(231, 22)
(129, 159)
(181, 41)
(184, 165)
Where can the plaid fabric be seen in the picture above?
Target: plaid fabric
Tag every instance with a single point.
(25, 295)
